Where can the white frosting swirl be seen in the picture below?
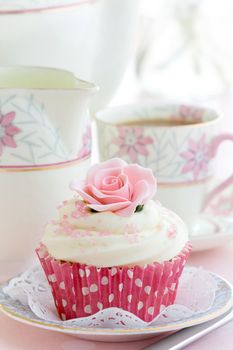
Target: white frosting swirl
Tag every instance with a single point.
(107, 239)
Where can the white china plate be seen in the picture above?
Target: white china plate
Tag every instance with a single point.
(211, 232)
(223, 301)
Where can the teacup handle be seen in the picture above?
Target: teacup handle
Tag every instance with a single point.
(214, 145)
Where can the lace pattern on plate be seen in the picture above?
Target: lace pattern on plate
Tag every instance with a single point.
(30, 296)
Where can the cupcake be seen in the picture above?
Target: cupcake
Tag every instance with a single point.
(114, 246)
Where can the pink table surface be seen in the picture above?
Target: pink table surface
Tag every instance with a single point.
(17, 336)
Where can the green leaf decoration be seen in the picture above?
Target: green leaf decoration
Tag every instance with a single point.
(139, 208)
(93, 210)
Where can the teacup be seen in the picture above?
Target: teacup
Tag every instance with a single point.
(178, 142)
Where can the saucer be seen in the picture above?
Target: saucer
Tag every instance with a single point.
(215, 227)
(211, 232)
(221, 303)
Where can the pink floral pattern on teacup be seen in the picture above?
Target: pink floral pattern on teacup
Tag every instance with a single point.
(131, 141)
(7, 131)
(87, 143)
(189, 114)
(175, 154)
(223, 206)
(196, 157)
(117, 186)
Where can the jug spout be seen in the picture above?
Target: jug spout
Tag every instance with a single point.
(20, 77)
(51, 114)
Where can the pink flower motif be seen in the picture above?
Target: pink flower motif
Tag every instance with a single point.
(131, 141)
(7, 131)
(189, 114)
(197, 157)
(87, 142)
(223, 206)
(117, 187)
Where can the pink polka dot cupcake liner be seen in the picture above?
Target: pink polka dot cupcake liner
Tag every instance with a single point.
(80, 290)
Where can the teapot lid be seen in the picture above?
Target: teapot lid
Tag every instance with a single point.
(25, 6)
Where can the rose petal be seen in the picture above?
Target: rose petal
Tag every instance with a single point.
(88, 198)
(112, 163)
(123, 191)
(111, 183)
(142, 191)
(136, 173)
(103, 173)
(101, 197)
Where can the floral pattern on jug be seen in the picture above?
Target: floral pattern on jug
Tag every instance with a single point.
(7, 131)
(87, 143)
(28, 135)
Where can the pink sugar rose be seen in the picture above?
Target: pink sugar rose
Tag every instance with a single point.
(117, 187)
